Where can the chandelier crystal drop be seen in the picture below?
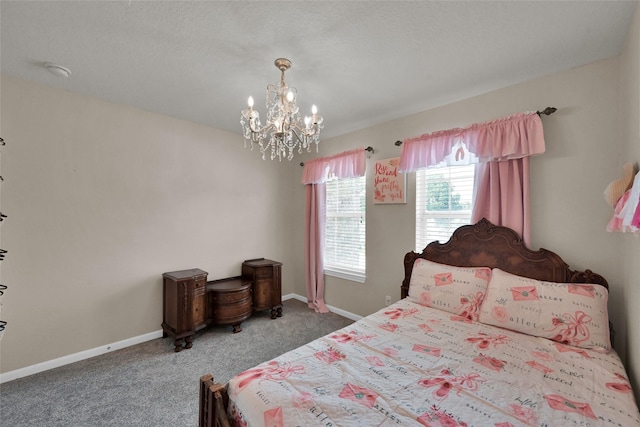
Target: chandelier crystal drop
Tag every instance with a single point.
(284, 132)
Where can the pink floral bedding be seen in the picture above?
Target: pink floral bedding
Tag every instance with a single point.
(413, 365)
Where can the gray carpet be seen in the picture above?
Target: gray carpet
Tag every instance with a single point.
(151, 385)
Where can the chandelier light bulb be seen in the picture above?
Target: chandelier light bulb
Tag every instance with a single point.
(314, 109)
(307, 120)
(250, 101)
(289, 96)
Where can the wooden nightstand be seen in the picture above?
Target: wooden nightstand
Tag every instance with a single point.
(184, 303)
(229, 301)
(265, 275)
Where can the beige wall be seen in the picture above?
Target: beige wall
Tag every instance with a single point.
(102, 199)
(569, 213)
(630, 152)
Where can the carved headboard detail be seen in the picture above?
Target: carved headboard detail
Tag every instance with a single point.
(486, 245)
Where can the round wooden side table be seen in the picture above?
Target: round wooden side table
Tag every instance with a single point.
(229, 301)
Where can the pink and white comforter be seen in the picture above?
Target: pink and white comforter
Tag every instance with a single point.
(412, 365)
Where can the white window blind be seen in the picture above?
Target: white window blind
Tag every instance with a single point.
(344, 251)
(444, 198)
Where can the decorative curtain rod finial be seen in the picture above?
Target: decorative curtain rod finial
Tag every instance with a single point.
(547, 111)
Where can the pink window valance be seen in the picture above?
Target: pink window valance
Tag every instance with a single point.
(349, 164)
(514, 137)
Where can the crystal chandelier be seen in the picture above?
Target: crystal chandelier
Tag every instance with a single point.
(283, 133)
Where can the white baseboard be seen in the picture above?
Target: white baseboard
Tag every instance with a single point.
(76, 357)
(331, 308)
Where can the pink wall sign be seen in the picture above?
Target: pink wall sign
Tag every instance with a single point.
(388, 184)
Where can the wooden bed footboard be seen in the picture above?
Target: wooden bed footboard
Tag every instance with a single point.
(213, 403)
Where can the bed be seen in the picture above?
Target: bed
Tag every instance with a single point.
(487, 333)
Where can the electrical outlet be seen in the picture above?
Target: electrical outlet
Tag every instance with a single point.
(387, 300)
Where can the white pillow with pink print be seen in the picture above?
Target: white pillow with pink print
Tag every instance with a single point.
(458, 290)
(570, 313)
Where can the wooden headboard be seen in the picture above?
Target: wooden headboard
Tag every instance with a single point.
(486, 245)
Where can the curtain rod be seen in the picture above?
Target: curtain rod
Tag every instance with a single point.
(547, 112)
(369, 149)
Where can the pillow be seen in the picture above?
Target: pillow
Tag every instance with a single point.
(570, 313)
(458, 290)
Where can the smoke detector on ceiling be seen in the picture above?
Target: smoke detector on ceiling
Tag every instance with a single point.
(57, 70)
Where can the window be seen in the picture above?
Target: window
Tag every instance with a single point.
(344, 251)
(444, 198)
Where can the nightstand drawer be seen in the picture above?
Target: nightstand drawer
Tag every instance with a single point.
(224, 314)
(200, 282)
(262, 272)
(229, 297)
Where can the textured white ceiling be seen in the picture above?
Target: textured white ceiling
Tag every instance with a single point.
(361, 62)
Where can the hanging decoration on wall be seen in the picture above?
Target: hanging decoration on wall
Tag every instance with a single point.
(617, 187)
(284, 132)
(624, 195)
(389, 184)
